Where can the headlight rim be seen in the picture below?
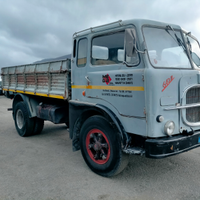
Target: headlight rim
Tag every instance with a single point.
(169, 128)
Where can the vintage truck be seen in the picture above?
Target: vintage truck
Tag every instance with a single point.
(130, 87)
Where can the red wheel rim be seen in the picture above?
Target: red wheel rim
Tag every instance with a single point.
(98, 146)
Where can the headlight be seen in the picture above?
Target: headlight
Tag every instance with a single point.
(169, 128)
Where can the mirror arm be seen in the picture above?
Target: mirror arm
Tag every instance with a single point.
(143, 52)
(129, 65)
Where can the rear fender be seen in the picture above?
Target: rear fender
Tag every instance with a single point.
(29, 102)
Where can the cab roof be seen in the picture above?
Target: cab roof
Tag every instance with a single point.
(138, 23)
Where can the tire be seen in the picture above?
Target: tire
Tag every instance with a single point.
(23, 124)
(39, 124)
(101, 147)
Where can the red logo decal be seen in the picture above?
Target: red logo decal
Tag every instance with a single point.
(106, 79)
(167, 82)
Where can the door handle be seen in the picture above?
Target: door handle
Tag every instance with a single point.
(87, 78)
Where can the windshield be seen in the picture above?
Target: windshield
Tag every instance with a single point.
(164, 49)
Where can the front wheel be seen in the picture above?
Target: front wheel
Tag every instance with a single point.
(101, 147)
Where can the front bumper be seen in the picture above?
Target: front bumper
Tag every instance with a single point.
(161, 148)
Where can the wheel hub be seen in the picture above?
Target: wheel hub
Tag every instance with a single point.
(20, 119)
(98, 146)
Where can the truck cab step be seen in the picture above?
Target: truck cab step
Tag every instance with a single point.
(134, 151)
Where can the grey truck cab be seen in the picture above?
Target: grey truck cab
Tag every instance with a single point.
(144, 75)
(131, 87)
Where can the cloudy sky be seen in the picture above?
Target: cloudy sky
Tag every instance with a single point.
(31, 30)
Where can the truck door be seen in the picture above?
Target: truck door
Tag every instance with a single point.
(111, 82)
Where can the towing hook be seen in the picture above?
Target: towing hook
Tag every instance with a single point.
(187, 133)
(192, 131)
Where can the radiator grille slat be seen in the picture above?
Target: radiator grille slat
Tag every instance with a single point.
(193, 96)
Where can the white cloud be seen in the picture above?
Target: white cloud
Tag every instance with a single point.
(36, 29)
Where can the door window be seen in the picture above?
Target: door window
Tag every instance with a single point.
(82, 52)
(108, 49)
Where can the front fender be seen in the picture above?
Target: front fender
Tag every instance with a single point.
(80, 111)
(117, 122)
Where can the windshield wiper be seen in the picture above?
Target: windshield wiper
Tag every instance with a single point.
(180, 43)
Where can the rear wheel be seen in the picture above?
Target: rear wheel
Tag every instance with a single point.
(24, 125)
(101, 147)
(39, 124)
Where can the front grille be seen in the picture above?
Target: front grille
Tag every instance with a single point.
(193, 96)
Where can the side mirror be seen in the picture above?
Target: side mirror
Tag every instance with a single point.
(130, 42)
(195, 59)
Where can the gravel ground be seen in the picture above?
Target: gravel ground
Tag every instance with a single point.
(43, 167)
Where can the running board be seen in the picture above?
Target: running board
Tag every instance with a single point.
(134, 151)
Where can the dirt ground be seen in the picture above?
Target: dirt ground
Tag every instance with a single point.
(44, 167)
